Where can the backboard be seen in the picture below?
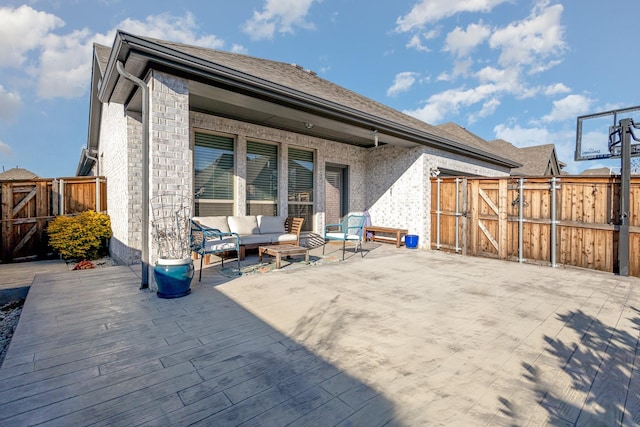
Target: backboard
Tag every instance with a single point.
(598, 135)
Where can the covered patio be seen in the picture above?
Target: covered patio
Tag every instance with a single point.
(399, 337)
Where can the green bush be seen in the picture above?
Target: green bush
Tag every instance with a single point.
(82, 236)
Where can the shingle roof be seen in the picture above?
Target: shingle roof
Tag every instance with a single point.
(459, 133)
(297, 78)
(17, 174)
(534, 160)
(597, 172)
(102, 53)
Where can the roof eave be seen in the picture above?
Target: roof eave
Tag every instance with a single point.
(126, 45)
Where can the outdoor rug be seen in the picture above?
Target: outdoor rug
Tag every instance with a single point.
(286, 264)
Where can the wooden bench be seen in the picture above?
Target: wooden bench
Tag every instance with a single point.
(385, 231)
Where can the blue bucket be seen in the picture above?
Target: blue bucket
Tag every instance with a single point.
(411, 241)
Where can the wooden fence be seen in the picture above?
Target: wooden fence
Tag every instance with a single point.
(554, 221)
(26, 207)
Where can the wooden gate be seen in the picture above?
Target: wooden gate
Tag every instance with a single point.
(26, 207)
(566, 220)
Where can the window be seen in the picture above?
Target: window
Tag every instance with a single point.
(301, 186)
(262, 179)
(214, 172)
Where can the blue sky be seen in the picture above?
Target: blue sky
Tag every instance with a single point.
(519, 70)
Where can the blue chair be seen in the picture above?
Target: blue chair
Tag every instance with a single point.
(349, 230)
(206, 241)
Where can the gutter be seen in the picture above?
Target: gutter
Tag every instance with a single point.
(145, 171)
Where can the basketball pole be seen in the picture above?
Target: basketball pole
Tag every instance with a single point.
(625, 196)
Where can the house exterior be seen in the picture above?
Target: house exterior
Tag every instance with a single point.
(253, 136)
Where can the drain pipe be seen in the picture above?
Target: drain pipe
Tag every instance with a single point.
(95, 159)
(144, 284)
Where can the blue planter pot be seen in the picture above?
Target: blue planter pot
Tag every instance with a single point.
(173, 277)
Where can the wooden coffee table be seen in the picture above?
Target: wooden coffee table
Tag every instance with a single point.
(283, 250)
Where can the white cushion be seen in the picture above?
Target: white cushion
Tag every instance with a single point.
(271, 224)
(282, 238)
(244, 225)
(214, 245)
(217, 222)
(255, 239)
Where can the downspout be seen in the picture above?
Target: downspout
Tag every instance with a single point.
(145, 171)
(95, 159)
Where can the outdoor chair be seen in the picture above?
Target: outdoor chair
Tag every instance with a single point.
(207, 241)
(349, 230)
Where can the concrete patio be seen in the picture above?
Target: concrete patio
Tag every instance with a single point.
(399, 337)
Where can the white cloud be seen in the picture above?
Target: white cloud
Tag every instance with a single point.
(10, 104)
(63, 68)
(5, 149)
(22, 30)
(523, 137)
(402, 83)
(236, 48)
(556, 89)
(488, 108)
(65, 65)
(278, 15)
(181, 29)
(569, 107)
(448, 103)
(428, 11)
(460, 42)
(416, 43)
(564, 141)
(533, 40)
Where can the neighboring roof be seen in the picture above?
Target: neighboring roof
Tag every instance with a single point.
(17, 174)
(276, 82)
(537, 160)
(597, 172)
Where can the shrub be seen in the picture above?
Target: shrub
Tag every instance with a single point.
(82, 236)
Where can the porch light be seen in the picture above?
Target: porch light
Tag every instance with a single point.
(308, 125)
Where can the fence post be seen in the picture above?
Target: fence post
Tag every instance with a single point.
(553, 221)
(465, 207)
(438, 214)
(521, 220)
(61, 197)
(7, 220)
(457, 215)
(503, 224)
(98, 208)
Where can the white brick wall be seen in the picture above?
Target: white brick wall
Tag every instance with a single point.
(326, 152)
(171, 169)
(399, 191)
(393, 182)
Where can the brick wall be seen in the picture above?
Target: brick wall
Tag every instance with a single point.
(326, 152)
(398, 190)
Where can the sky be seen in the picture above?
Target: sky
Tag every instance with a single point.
(518, 70)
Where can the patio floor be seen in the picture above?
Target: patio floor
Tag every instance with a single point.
(399, 337)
